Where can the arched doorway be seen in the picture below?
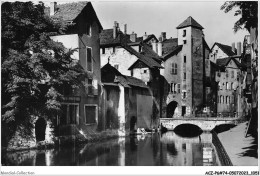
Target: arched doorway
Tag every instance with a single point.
(171, 108)
(40, 128)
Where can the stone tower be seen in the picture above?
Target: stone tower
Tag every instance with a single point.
(190, 36)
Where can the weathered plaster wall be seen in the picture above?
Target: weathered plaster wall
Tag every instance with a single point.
(197, 69)
(120, 57)
(233, 92)
(142, 73)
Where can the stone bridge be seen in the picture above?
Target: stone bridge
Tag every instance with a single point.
(206, 124)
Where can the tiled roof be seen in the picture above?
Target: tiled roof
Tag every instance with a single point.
(109, 74)
(223, 62)
(176, 50)
(190, 22)
(169, 45)
(225, 48)
(106, 38)
(148, 51)
(151, 63)
(135, 82)
(70, 11)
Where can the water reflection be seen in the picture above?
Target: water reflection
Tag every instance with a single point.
(156, 149)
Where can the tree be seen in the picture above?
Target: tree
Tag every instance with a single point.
(248, 11)
(34, 68)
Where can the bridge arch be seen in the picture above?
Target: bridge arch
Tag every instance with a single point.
(206, 124)
(171, 107)
(188, 130)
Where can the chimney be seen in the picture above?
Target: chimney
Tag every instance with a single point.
(239, 48)
(117, 27)
(115, 30)
(145, 36)
(163, 36)
(154, 46)
(233, 47)
(53, 8)
(133, 37)
(125, 29)
(160, 46)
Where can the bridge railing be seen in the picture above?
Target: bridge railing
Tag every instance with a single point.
(219, 115)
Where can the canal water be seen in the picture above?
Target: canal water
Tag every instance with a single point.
(155, 149)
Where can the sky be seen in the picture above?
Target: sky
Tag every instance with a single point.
(154, 17)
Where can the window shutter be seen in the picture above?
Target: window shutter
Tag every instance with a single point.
(95, 87)
(89, 59)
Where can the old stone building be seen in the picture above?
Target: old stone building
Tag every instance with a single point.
(133, 56)
(183, 62)
(229, 76)
(249, 58)
(80, 112)
(127, 103)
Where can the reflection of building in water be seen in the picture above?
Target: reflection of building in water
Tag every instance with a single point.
(207, 156)
(189, 151)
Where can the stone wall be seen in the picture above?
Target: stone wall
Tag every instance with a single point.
(19, 142)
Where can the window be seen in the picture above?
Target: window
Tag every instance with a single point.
(116, 66)
(219, 86)
(174, 69)
(103, 50)
(69, 114)
(89, 59)
(227, 73)
(90, 113)
(114, 49)
(179, 88)
(184, 59)
(184, 75)
(231, 86)
(171, 87)
(226, 85)
(220, 97)
(184, 33)
(229, 100)
(89, 29)
(226, 99)
(145, 71)
(183, 110)
(184, 95)
(184, 41)
(232, 74)
(91, 87)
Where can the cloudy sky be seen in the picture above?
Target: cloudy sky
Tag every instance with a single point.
(155, 17)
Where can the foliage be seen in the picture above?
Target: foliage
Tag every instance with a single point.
(34, 68)
(248, 10)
